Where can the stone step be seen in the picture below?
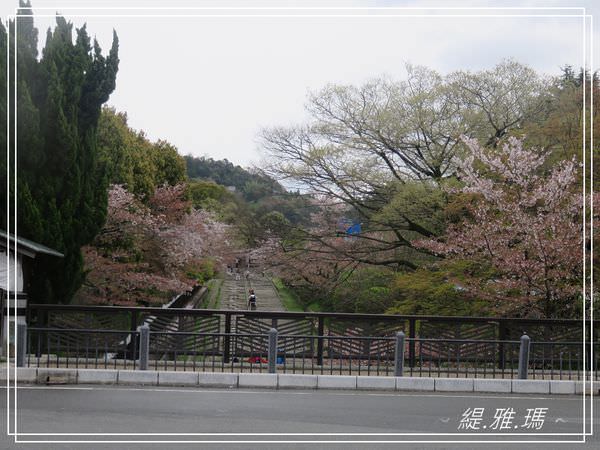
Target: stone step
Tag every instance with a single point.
(235, 293)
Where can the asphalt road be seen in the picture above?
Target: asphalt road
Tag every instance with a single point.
(110, 410)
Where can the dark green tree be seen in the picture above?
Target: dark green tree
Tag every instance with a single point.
(132, 160)
(61, 183)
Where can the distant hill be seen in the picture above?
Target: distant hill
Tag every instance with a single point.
(253, 186)
(261, 193)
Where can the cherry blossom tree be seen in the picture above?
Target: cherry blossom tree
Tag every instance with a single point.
(146, 253)
(525, 223)
(314, 259)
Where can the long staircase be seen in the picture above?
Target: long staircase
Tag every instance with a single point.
(234, 293)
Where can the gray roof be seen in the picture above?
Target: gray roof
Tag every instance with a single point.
(32, 247)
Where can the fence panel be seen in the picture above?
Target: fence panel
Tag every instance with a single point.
(93, 349)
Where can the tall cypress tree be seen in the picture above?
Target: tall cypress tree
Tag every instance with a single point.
(62, 186)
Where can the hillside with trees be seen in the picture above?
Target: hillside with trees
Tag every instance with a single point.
(248, 198)
(251, 184)
(157, 241)
(166, 232)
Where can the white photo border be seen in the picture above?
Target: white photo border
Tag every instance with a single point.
(585, 18)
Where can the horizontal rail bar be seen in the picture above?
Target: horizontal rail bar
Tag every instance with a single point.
(309, 336)
(336, 336)
(290, 314)
(82, 330)
(192, 333)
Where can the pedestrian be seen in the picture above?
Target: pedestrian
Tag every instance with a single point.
(252, 301)
(237, 275)
(247, 274)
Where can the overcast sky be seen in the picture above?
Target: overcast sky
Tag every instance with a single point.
(209, 84)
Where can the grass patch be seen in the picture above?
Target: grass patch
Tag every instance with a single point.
(290, 300)
(206, 299)
(215, 301)
(315, 307)
(212, 298)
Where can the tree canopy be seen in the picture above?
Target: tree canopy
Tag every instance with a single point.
(61, 182)
(132, 160)
(386, 166)
(367, 146)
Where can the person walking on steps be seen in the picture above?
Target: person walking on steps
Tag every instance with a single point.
(252, 301)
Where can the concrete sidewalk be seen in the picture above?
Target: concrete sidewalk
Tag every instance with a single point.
(43, 376)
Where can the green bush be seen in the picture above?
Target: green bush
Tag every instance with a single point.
(439, 290)
(203, 271)
(367, 290)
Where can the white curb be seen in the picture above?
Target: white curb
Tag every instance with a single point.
(260, 380)
(562, 387)
(56, 376)
(336, 382)
(492, 385)
(376, 383)
(297, 381)
(218, 379)
(177, 378)
(414, 384)
(30, 375)
(24, 375)
(531, 386)
(454, 384)
(141, 377)
(97, 376)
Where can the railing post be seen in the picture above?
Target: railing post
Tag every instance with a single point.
(501, 351)
(412, 334)
(399, 354)
(227, 339)
(134, 320)
(320, 333)
(144, 346)
(135, 340)
(21, 344)
(524, 357)
(272, 350)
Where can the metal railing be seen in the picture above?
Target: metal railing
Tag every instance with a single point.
(562, 360)
(420, 330)
(307, 354)
(206, 352)
(342, 324)
(465, 358)
(93, 349)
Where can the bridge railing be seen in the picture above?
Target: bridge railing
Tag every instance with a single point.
(308, 323)
(338, 355)
(82, 348)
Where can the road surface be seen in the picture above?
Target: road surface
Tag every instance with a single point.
(111, 409)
